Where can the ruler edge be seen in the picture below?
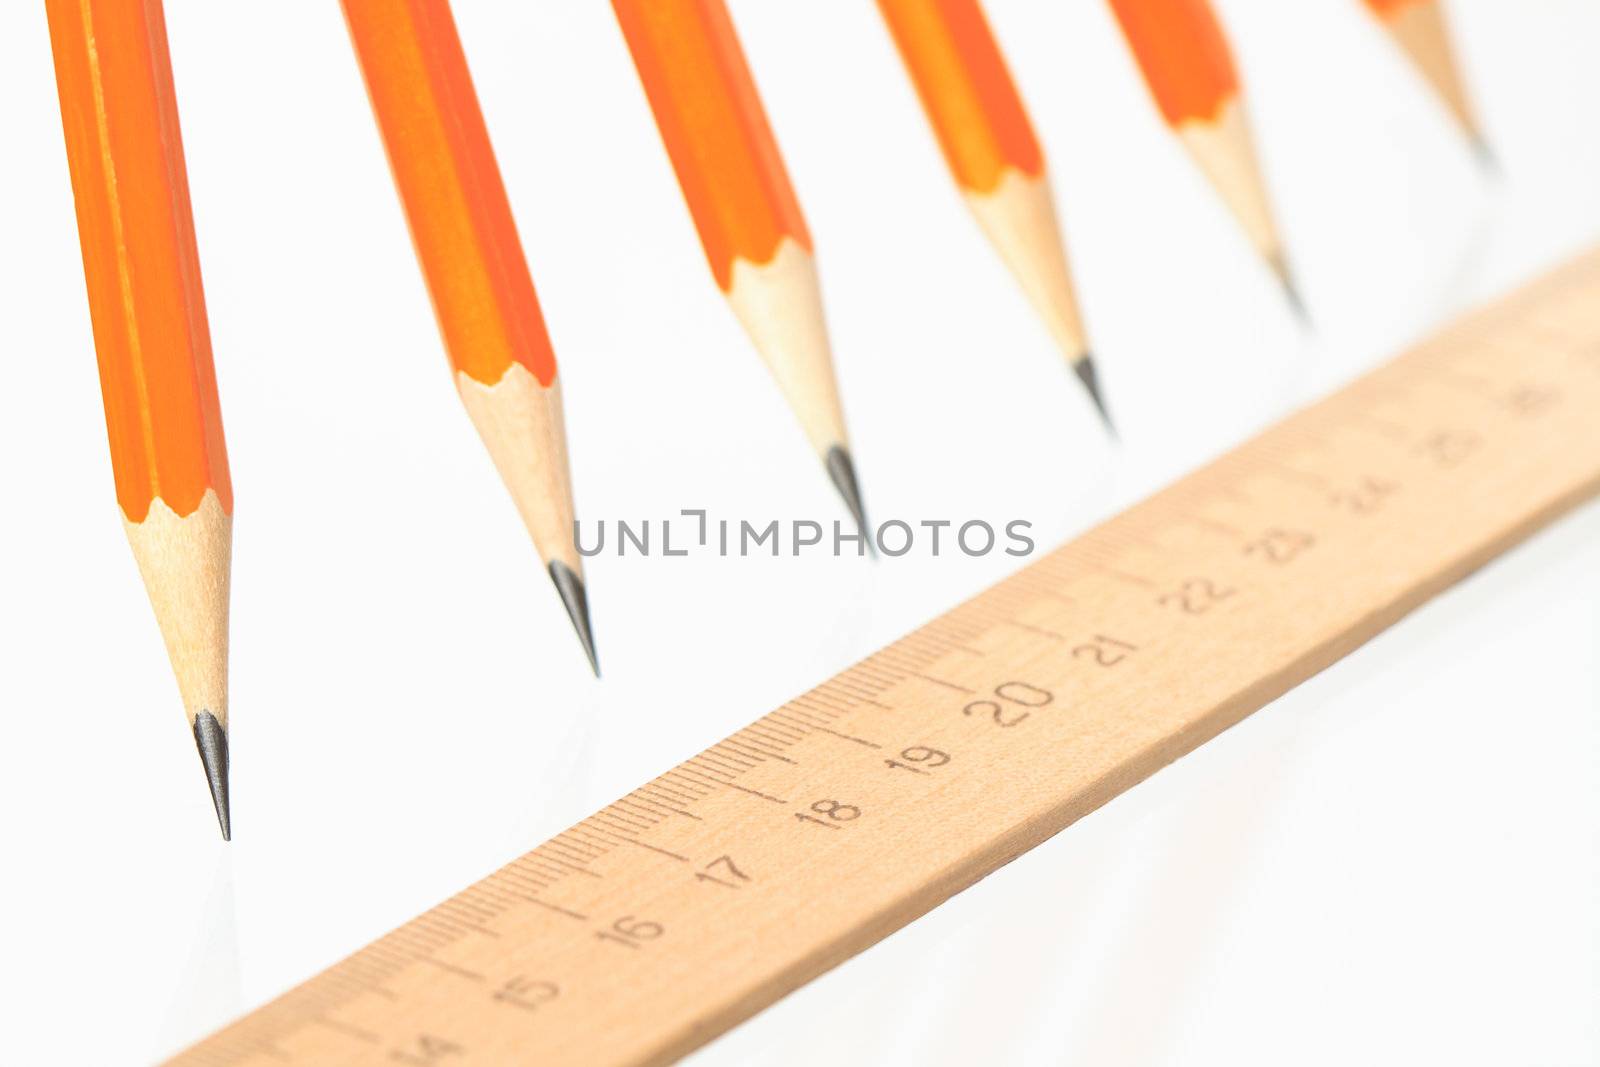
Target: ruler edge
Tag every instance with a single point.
(697, 1032)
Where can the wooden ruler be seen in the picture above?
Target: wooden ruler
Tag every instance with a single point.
(703, 896)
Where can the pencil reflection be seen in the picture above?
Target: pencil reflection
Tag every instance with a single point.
(207, 994)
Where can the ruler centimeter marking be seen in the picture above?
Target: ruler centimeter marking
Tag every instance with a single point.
(685, 907)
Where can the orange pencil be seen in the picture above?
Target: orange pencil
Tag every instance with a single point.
(989, 144)
(466, 241)
(1418, 27)
(1186, 63)
(142, 269)
(727, 162)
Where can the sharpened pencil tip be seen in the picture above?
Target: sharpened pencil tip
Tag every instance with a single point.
(843, 473)
(211, 739)
(1485, 154)
(1280, 267)
(576, 601)
(1091, 381)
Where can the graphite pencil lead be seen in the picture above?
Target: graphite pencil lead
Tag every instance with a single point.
(1091, 382)
(1484, 153)
(843, 473)
(211, 739)
(1280, 267)
(576, 600)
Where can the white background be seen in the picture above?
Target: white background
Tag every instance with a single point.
(1397, 862)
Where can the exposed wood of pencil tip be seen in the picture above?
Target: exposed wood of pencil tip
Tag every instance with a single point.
(779, 304)
(186, 563)
(524, 431)
(1019, 218)
(523, 428)
(1225, 152)
(1420, 30)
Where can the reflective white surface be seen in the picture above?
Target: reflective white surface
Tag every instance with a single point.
(1398, 861)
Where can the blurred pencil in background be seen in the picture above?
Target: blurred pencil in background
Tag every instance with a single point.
(728, 165)
(1418, 27)
(142, 268)
(1186, 62)
(961, 77)
(466, 241)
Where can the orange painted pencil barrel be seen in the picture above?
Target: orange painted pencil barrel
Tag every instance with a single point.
(140, 261)
(1418, 27)
(1185, 59)
(466, 240)
(983, 130)
(450, 185)
(141, 264)
(727, 162)
(714, 128)
(961, 78)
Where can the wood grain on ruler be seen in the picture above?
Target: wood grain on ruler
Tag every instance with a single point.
(701, 897)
